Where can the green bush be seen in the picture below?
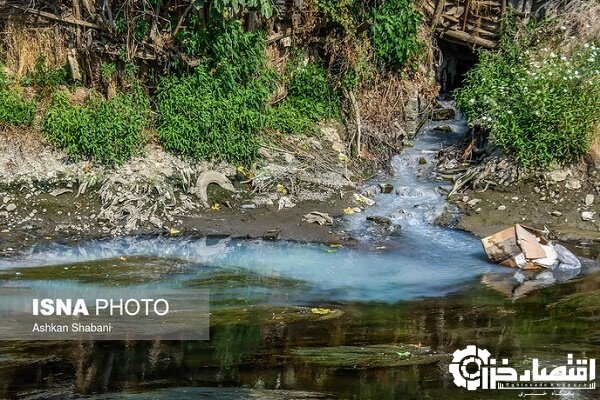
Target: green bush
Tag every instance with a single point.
(394, 31)
(310, 99)
(538, 105)
(45, 78)
(14, 109)
(109, 131)
(218, 111)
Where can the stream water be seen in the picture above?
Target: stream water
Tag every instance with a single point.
(293, 320)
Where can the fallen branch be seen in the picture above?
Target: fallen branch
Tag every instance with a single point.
(55, 17)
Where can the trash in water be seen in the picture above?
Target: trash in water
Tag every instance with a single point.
(526, 248)
(362, 199)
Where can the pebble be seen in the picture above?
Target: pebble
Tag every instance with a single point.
(289, 158)
(589, 200)
(587, 215)
(465, 199)
(6, 199)
(536, 189)
(473, 202)
(573, 184)
(556, 213)
(11, 207)
(557, 176)
(478, 210)
(515, 198)
(4, 214)
(501, 208)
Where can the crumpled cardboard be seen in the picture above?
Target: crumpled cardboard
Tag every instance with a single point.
(520, 247)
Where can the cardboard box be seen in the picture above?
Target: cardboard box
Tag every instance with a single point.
(520, 247)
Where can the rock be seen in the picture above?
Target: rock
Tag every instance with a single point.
(362, 199)
(4, 214)
(386, 188)
(443, 128)
(285, 202)
(422, 161)
(58, 192)
(556, 213)
(589, 200)
(154, 220)
(271, 234)
(289, 158)
(557, 176)
(380, 220)
(536, 189)
(478, 211)
(6, 199)
(573, 184)
(11, 207)
(587, 215)
(465, 199)
(441, 114)
(331, 133)
(248, 206)
(473, 202)
(501, 208)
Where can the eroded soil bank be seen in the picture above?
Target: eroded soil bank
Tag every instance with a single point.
(45, 196)
(564, 203)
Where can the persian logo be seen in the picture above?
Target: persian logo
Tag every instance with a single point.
(468, 359)
(472, 368)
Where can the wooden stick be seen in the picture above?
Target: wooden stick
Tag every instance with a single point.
(55, 17)
(77, 14)
(466, 14)
(466, 38)
(438, 11)
(357, 118)
(182, 18)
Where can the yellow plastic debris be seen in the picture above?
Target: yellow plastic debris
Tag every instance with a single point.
(342, 157)
(348, 210)
(281, 189)
(173, 231)
(215, 206)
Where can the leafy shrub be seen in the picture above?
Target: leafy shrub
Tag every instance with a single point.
(217, 111)
(310, 99)
(539, 105)
(14, 109)
(394, 31)
(46, 78)
(110, 131)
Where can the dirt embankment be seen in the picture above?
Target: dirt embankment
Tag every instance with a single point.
(565, 202)
(44, 196)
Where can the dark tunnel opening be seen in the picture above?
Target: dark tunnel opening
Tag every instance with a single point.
(454, 62)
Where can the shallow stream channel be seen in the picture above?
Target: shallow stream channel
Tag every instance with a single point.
(377, 320)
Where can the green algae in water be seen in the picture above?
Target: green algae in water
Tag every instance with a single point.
(263, 314)
(110, 272)
(372, 356)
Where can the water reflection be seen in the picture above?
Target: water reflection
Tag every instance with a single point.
(261, 352)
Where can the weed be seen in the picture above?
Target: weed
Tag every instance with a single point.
(110, 131)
